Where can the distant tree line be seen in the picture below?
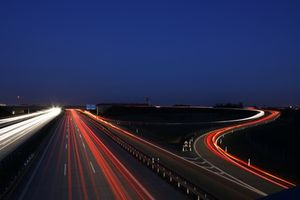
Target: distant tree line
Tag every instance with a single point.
(229, 105)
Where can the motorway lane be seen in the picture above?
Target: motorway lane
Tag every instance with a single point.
(213, 183)
(5, 124)
(14, 135)
(206, 146)
(16, 119)
(154, 184)
(231, 171)
(77, 164)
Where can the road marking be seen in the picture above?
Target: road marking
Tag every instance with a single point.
(83, 145)
(237, 181)
(80, 136)
(201, 163)
(66, 146)
(191, 158)
(223, 173)
(92, 167)
(67, 136)
(65, 169)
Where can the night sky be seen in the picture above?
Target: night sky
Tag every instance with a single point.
(175, 52)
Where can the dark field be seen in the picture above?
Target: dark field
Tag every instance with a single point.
(170, 136)
(169, 126)
(174, 114)
(4, 113)
(273, 147)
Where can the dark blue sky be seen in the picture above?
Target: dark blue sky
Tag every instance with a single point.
(191, 52)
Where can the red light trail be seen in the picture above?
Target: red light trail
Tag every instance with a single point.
(211, 141)
(212, 138)
(105, 160)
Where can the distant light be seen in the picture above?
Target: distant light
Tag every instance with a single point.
(55, 110)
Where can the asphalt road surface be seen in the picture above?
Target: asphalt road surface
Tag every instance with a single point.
(227, 165)
(212, 182)
(81, 162)
(15, 134)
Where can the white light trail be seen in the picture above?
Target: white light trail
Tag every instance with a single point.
(12, 119)
(13, 135)
(259, 114)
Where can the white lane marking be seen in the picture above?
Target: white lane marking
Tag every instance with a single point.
(24, 191)
(65, 169)
(191, 158)
(92, 167)
(223, 173)
(66, 146)
(80, 136)
(203, 162)
(67, 136)
(83, 145)
(235, 180)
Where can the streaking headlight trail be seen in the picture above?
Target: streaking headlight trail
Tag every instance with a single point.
(14, 119)
(12, 136)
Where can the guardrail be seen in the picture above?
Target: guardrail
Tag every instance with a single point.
(190, 189)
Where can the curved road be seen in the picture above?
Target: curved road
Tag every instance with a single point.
(212, 183)
(221, 162)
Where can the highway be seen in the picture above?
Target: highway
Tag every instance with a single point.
(209, 181)
(15, 119)
(11, 136)
(220, 160)
(81, 162)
